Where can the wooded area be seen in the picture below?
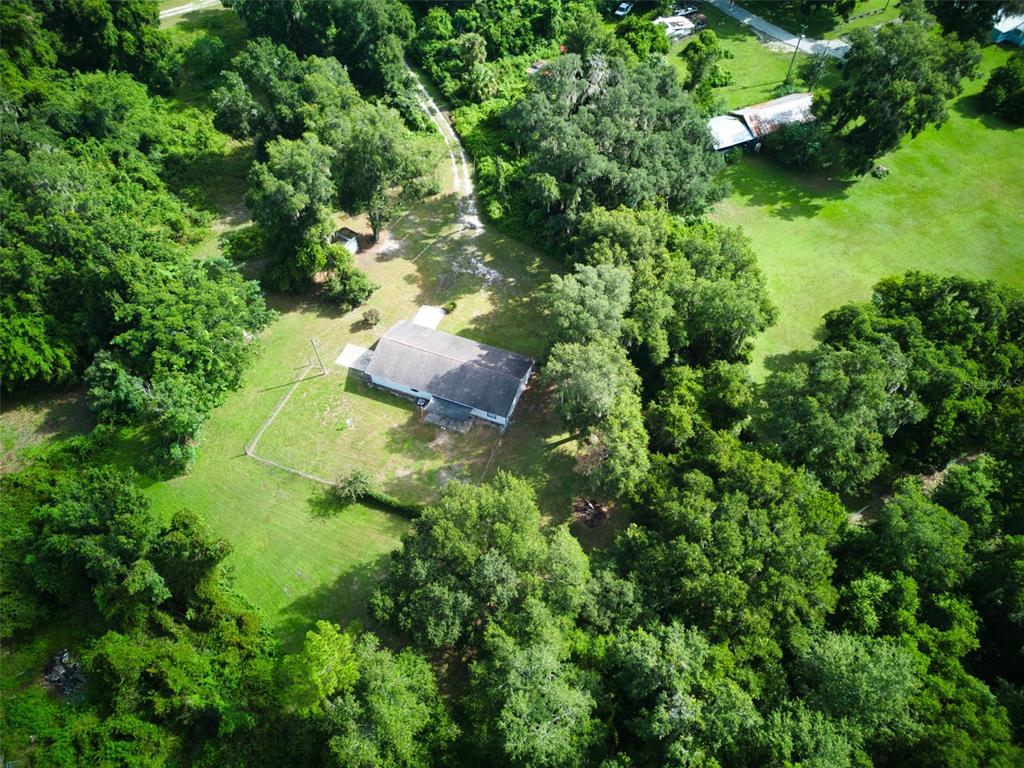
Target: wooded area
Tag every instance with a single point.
(824, 568)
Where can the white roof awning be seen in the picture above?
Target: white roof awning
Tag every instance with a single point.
(728, 131)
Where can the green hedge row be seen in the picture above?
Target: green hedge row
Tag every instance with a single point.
(408, 509)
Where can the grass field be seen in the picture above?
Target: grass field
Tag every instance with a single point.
(289, 558)
(757, 69)
(359, 427)
(289, 562)
(822, 23)
(953, 203)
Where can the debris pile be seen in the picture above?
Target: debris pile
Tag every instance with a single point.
(64, 674)
(471, 265)
(590, 512)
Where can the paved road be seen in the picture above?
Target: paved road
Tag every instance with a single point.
(188, 8)
(835, 48)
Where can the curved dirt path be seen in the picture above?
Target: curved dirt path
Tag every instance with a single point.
(462, 173)
(188, 8)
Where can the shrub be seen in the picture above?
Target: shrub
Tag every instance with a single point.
(356, 487)
(348, 286)
(404, 508)
(352, 488)
(207, 55)
(242, 244)
(371, 317)
(1004, 92)
(799, 144)
(448, 307)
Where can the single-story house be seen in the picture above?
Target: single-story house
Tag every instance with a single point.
(758, 120)
(1008, 29)
(348, 238)
(453, 379)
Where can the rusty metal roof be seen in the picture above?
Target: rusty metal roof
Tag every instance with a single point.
(769, 116)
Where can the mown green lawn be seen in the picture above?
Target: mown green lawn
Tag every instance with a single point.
(821, 22)
(953, 203)
(757, 69)
(424, 261)
(291, 561)
(287, 560)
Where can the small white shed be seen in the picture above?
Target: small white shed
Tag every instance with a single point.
(348, 238)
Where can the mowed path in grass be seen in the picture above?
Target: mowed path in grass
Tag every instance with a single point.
(953, 203)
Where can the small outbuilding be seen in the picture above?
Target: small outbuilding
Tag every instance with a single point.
(742, 126)
(452, 378)
(348, 238)
(536, 67)
(1008, 29)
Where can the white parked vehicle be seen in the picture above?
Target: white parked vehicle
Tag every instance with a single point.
(623, 10)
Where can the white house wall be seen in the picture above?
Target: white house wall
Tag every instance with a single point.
(416, 393)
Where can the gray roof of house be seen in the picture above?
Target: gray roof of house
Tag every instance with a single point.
(452, 367)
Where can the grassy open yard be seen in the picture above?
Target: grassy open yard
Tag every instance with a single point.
(357, 426)
(290, 561)
(757, 68)
(288, 558)
(953, 203)
(822, 23)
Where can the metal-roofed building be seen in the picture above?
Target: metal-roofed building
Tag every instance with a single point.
(769, 116)
(455, 378)
(728, 131)
(758, 120)
(348, 238)
(1008, 29)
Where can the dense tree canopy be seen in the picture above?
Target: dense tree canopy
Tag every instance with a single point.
(732, 613)
(89, 35)
(911, 376)
(735, 544)
(112, 289)
(477, 558)
(367, 36)
(321, 146)
(598, 133)
(174, 657)
(697, 292)
(896, 81)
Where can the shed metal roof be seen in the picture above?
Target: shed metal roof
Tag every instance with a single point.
(455, 368)
(1006, 24)
(769, 116)
(728, 131)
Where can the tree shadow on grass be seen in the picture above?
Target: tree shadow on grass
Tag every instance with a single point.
(972, 108)
(786, 360)
(763, 182)
(341, 601)
(56, 415)
(216, 181)
(324, 505)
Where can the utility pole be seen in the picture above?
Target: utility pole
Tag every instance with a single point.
(323, 370)
(803, 28)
